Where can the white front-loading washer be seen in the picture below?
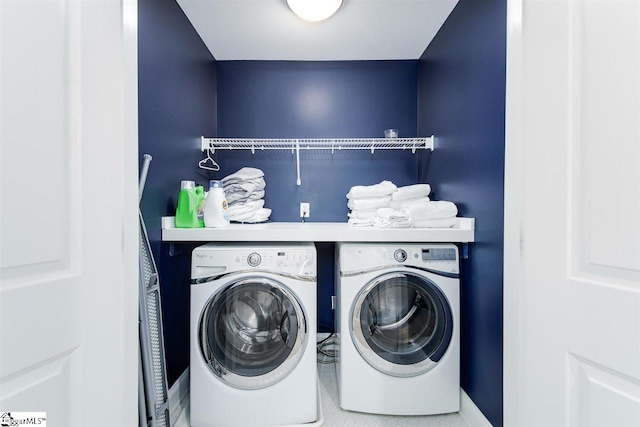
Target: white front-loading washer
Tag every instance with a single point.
(253, 334)
(397, 325)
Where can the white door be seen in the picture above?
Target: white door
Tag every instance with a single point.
(572, 219)
(68, 225)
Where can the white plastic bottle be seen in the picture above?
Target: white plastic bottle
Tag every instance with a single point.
(215, 206)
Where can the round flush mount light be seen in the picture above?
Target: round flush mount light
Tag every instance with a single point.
(314, 10)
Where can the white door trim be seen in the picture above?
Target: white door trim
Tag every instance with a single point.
(110, 52)
(513, 297)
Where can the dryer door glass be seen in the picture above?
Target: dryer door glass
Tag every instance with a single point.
(401, 324)
(253, 333)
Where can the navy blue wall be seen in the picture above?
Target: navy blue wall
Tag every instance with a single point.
(349, 99)
(458, 90)
(177, 104)
(462, 95)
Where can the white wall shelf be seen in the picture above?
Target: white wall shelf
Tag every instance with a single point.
(462, 232)
(332, 144)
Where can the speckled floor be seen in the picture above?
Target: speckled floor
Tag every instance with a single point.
(334, 416)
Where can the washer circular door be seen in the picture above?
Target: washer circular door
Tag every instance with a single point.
(252, 333)
(401, 324)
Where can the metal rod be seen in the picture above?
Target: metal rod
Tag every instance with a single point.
(298, 181)
(143, 175)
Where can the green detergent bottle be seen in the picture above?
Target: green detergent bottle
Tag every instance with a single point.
(200, 202)
(189, 202)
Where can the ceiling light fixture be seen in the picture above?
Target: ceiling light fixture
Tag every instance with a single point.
(314, 10)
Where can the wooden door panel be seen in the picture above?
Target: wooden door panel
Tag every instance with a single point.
(37, 133)
(68, 219)
(604, 130)
(573, 349)
(47, 387)
(600, 396)
(40, 288)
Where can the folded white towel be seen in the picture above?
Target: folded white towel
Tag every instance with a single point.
(362, 214)
(234, 198)
(383, 223)
(424, 209)
(411, 192)
(381, 189)
(436, 223)
(369, 203)
(241, 210)
(393, 214)
(243, 216)
(245, 186)
(392, 218)
(398, 204)
(360, 222)
(261, 215)
(244, 174)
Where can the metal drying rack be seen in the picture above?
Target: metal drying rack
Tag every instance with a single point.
(333, 144)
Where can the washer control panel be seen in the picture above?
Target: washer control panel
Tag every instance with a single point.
(281, 259)
(212, 259)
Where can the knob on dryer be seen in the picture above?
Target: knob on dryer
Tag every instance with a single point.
(400, 255)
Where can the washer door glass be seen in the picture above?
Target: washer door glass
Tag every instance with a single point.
(253, 333)
(401, 324)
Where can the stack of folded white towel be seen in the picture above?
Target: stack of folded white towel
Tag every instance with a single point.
(365, 200)
(244, 191)
(409, 193)
(432, 214)
(392, 218)
(388, 206)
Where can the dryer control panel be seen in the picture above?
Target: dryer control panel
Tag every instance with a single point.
(437, 257)
(439, 254)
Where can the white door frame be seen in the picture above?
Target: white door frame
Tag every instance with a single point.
(513, 313)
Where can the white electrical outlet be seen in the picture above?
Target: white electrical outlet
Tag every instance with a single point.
(305, 210)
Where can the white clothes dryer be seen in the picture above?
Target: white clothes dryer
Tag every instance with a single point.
(397, 324)
(253, 335)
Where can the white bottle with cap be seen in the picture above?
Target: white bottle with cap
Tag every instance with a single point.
(215, 206)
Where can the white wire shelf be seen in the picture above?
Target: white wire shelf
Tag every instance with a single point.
(210, 145)
(333, 144)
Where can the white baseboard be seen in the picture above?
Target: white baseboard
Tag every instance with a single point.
(470, 412)
(179, 396)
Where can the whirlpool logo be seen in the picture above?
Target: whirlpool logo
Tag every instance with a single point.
(8, 419)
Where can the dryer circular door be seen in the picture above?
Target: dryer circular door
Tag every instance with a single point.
(252, 333)
(401, 324)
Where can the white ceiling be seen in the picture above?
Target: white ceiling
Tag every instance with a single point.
(360, 30)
